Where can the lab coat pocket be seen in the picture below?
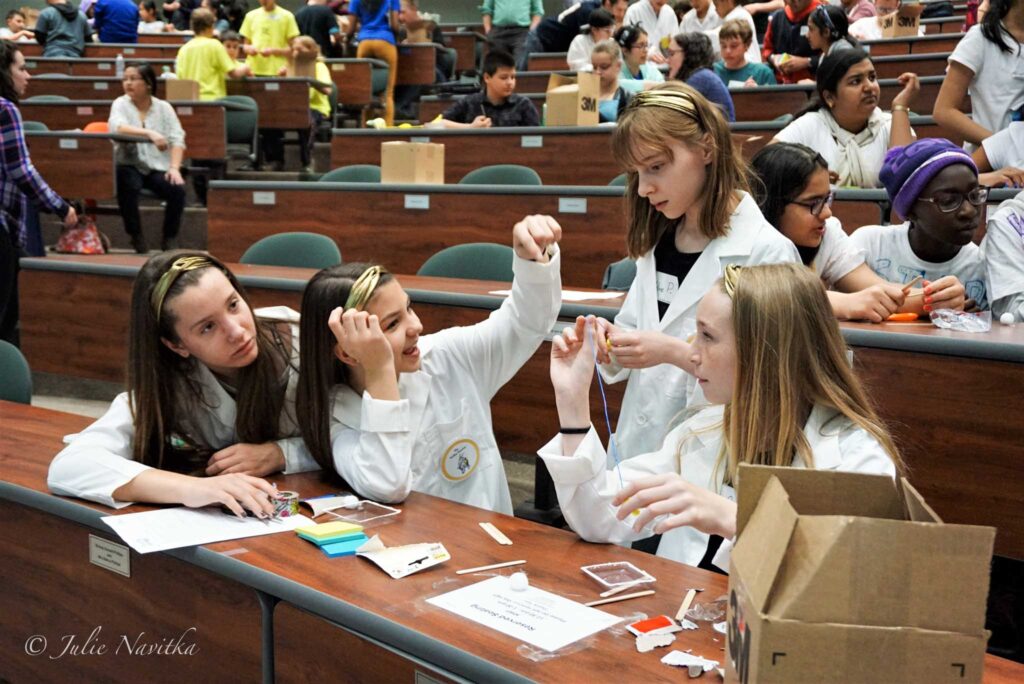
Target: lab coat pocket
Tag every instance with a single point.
(463, 451)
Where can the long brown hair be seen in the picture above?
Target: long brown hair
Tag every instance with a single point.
(790, 356)
(163, 388)
(320, 368)
(653, 121)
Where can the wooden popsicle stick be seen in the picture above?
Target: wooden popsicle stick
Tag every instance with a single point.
(685, 605)
(615, 599)
(496, 534)
(489, 567)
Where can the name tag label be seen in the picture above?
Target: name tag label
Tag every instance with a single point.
(84, 111)
(272, 86)
(110, 555)
(420, 138)
(68, 144)
(531, 141)
(572, 205)
(184, 111)
(417, 201)
(104, 66)
(668, 284)
(100, 85)
(264, 198)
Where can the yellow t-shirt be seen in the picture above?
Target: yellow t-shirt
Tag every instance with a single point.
(205, 60)
(268, 29)
(317, 100)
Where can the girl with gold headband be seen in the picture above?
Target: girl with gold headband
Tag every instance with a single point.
(768, 353)
(392, 411)
(210, 401)
(690, 215)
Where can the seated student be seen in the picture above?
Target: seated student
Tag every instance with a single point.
(785, 45)
(734, 39)
(658, 21)
(599, 28)
(210, 401)
(792, 188)
(1000, 157)
(116, 21)
(858, 9)
(844, 122)
(828, 32)
(555, 34)
(304, 50)
(204, 59)
(933, 186)
(232, 42)
(148, 20)
(62, 30)
(1002, 251)
(870, 28)
(392, 411)
(155, 166)
(763, 332)
(702, 16)
(15, 29)
(632, 41)
(731, 10)
(497, 104)
(690, 60)
(606, 60)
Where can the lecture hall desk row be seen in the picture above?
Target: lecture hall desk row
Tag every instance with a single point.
(944, 394)
(562, 155)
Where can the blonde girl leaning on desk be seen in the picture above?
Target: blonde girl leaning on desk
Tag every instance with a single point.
(690, 215)
(392, 411)
(769, 350)
(210, 400)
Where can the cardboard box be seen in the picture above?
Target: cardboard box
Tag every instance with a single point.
(906, 21)
(842, 577)
(409, 162)
(572, 101)
(181, 89)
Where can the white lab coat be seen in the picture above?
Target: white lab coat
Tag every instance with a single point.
(655, 395)
(438, 438)
(98, 460)
(585, 487)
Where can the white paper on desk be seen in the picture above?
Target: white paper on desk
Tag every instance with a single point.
(173, 528)
(401, 561)
(538, 617)
(570, 295)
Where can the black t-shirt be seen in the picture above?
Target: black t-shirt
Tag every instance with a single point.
(317, 22)
(671, 268)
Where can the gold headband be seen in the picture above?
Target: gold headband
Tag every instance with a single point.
(669, 99)
(363, 288)
(731, 279)
(181, 265)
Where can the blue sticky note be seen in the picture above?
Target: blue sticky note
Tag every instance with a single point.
(343, 548)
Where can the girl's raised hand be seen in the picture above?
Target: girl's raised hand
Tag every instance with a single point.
(236, 491)
(361, 342)
(572, 359)
(945, 293)
(532, 237)
(602, 330)
(679, 504)
(911, 87)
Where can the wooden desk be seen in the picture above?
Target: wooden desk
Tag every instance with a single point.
(283, 102)
(464, 43)
(943, 24)
(177, 38)
(82, 87)
(537, 81)
(416, 63)
(547, 61)
(77, 165)
(354, 81)
(939, 42)
(130, 51)
(920, 63)
(83, 67)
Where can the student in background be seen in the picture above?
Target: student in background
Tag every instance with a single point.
(377, 21)
(232, 42)
(731, 10)
(769, 354)
(735, 39)
(116, 21)
(988, 63)
(319, 22)
(304, 50)
(689, 215)
(858, 9)
(507, 22)
(691, 60)
(785, 45)
(497, 104)
(1000, 158)
(391, 410)
(933, 186)
(633, 42)
(1002, 251)
(600, 27)
(606, 60)
(870, 28)
(209, 407)
(204, 59)
(15, 27)
(62, 30)
(555, 34)
(845, 123)
(657, 20)
(702, 17)
(828, 32)
(148, 21)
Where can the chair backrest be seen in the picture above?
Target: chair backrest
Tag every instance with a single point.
(301, 250)
(241, 124)
(96, 127)
(502, 174)
(379, 79)
(17, 378)
(356, 173)
(619, 275)
(471, 261)
(47, 98)
(619, 181)
(34, 126)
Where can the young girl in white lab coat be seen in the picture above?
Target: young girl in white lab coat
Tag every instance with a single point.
(689, 216)
(210, 401)
(767, 348)
(393, 412)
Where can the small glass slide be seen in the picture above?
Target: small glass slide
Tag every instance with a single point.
(613, 575)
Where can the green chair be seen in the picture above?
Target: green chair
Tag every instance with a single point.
(29, 126)
(17, 378)
(618, 182)
(502, 174)
(472, 261)
(619, 276)
(241, 122)
(356, 173)
(300, 250)
(46, 98)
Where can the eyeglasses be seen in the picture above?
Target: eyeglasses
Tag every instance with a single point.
(672, 52)
(640, 46)
(818, 204)
(949, 202)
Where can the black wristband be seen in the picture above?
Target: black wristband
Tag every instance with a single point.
(574, 431)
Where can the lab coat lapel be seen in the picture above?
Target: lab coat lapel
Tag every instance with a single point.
(822, 434)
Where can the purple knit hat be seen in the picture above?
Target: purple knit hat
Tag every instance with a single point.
(908, 169)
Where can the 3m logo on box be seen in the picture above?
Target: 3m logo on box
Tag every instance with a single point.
(588, 104)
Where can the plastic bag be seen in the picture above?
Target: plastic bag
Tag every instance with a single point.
(948, 319)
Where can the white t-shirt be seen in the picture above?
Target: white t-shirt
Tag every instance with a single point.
(151, 27)
(1002, 250)
(837, 255)
(1006, 148)
(753, 53)
(868, 28)
(888, 253)
(691, 23)
(998, 84)
(579, 53)
(662, 25)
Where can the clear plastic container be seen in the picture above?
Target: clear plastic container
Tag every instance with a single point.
(618, 574)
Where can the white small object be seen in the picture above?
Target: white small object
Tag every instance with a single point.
(1007, 319)
(686, 624)
(649, 642)
(694, 663)
(518, 582)
(720, 627)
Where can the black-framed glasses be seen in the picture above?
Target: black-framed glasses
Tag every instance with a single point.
(948, 202)
(818, 204)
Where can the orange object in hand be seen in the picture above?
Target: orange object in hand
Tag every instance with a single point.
(902, 317)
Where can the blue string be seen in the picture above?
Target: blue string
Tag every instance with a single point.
(607, 421)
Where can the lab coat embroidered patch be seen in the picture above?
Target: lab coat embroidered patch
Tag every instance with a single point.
(460, 460)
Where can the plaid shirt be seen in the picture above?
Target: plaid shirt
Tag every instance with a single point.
(515, 111)
(19, 180)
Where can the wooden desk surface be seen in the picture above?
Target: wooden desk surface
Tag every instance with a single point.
(283, 102)
(359, 597)
(76, 165)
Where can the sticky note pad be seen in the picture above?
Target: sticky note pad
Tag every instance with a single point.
(344, 548)
(334, 538)
(325, 530)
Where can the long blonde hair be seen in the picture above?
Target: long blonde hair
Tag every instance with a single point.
(790, 356)
(653, 121)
